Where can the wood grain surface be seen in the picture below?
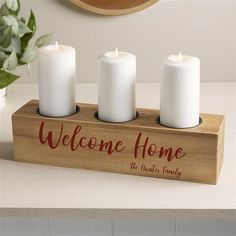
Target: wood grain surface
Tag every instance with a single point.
(199, 160)
(113, 7)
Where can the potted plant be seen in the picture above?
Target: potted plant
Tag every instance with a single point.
(15, 48)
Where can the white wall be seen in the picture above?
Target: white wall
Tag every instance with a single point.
(203, 28)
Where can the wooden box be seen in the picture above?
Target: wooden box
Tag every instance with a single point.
(139, 147)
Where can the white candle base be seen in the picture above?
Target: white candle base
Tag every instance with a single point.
(116, 89)
(57, 76)
(96, 115)
(77, 109)
(169, 125)
(179, 100)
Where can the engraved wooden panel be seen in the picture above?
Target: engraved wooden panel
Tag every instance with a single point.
(114, 7)
(139, 147)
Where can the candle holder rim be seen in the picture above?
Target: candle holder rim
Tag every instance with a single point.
(77, 111)
(119, 122)
(158, 122)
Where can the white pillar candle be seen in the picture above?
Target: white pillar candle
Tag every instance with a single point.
(57, 76)
(180, 81)
(116, 86)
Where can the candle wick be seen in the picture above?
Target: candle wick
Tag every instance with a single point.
(180, 56)
(116, 53)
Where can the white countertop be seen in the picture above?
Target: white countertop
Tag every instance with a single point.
(25, 185)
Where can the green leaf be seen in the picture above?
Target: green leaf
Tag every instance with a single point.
(15, 45)
(44, 40)
(32, 26)
(32, 22)
(12, 5)
(6, 78)
(3, 57)
(9, 3)
(23, 29)
(29, 55)
(4, 10)
(5, 36)
(11, 62)
(17, 11)
(11, 21)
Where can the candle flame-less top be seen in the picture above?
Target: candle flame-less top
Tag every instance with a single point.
(180, 59)
(116, 56)
(56, 48)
